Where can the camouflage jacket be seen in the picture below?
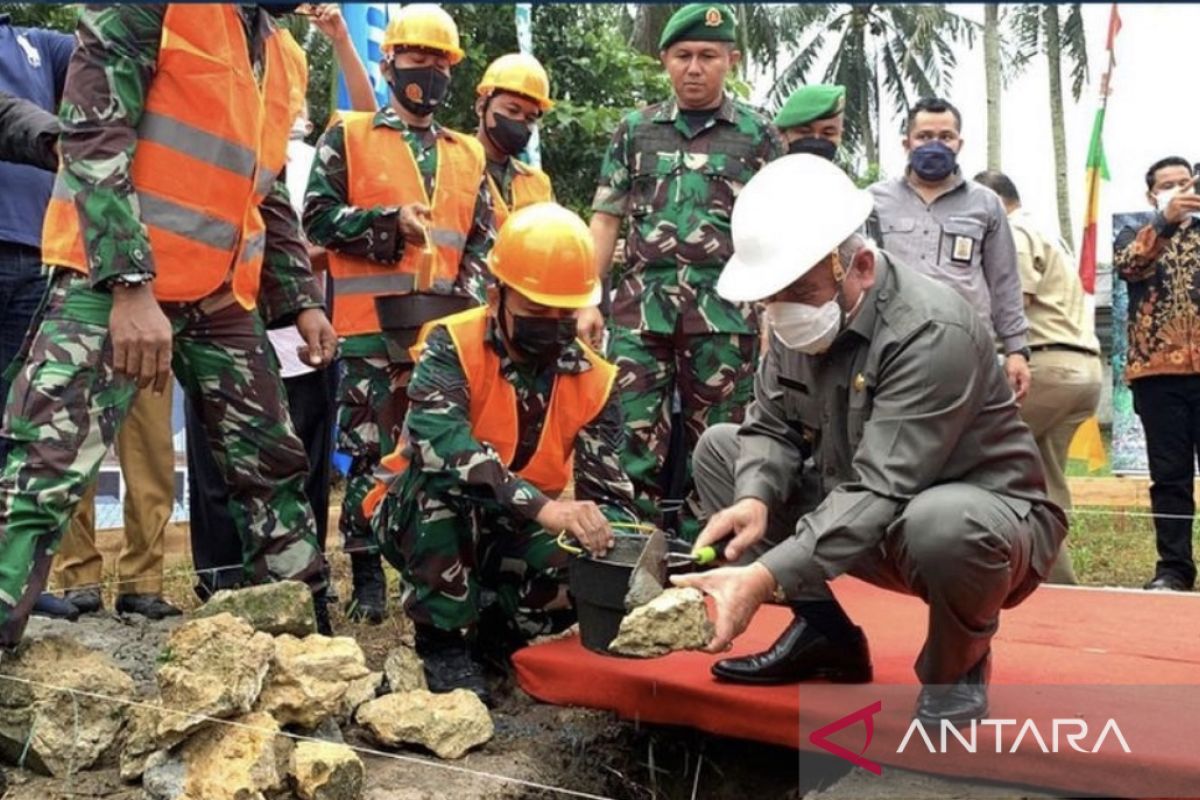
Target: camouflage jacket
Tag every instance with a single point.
(676, 187)
(332, 222)
(110, 75)
(442, 446)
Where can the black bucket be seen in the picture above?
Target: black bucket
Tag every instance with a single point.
(401, 317)
(599, 586)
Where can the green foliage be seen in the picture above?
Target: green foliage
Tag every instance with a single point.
(56, 16)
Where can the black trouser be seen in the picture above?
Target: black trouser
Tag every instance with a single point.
(216, 546)
(1169, 407)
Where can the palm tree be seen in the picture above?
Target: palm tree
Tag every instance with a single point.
(992, 69)
(1041, 28)
(903, 51)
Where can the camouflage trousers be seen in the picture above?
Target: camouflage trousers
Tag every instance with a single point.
(371, 402)
(67, 404)
(714, 374)
(450, 549)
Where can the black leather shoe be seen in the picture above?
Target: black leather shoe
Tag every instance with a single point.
(54, 607)
(368, 603)
(448, 663)
(151, 606)
(802, 653)
(321, 613)
(1167, 583)
(959, 702)
(88, 601)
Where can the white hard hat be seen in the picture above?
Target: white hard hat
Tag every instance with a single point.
(789, 217)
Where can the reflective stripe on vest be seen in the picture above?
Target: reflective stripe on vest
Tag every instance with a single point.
(529, 185)
(383, 172)
(211, 143)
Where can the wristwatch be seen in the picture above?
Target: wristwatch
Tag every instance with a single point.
(131, 280)
(1024, 353)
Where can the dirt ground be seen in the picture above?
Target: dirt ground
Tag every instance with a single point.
(578, 752)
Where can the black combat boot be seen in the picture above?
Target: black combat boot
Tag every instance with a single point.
(368, 603)
(321, 613)
(448, 662)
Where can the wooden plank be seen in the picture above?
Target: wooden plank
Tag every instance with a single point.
(1126, 492)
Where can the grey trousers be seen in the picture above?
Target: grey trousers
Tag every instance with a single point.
(958, 547)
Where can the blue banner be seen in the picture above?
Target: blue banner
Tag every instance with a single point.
(366, 23)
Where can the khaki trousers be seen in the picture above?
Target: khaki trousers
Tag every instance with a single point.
(1063, 393)
(147, 459)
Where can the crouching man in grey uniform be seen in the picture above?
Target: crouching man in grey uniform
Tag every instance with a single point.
(924, 479)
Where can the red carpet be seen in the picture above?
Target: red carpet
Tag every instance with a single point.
(1065, 654)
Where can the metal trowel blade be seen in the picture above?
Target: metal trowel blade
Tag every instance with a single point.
(649, 576)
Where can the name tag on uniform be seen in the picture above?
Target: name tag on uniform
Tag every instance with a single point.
(964, 248)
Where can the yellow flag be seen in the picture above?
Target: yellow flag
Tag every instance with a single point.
(1088, 446)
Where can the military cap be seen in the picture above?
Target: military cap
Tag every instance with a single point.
(699, 22)
(810, 103)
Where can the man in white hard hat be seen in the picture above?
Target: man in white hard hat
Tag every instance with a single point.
(926, 480)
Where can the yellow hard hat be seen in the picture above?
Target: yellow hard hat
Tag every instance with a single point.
(423, 25)
(545, 253)
(519, 73)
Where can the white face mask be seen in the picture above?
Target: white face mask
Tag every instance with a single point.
(809, 329)
(1161, 199)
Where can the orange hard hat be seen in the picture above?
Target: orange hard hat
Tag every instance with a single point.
(423, 25)
(545, 253)
(519, 73)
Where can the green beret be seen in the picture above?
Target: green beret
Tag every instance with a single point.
(699, 22)
(809, 103)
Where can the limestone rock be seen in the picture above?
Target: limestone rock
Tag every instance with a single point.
(404, 670)
(213, 667)
(274, 608)
(675, 620)
(449, 724)
(322, 771)
(246, 761)
(142, 740)
(358, 692)
(310, 677)
(69, 730)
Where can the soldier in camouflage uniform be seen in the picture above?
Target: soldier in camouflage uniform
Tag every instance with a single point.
(105, 333)
(371, 392)
(467, 523)
(672, 173)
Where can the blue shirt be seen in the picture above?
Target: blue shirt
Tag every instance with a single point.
(33, 65)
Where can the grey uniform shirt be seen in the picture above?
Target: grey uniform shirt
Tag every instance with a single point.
(961, 239)
(909, 396)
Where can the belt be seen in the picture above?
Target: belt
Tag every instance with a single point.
(1039, 348)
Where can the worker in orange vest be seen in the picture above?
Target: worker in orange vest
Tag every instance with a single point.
(506, 407)
(168, 222)
(513, 94)
(402, 205)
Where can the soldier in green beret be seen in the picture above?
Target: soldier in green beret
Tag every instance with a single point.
(811, 120)
(671, 174)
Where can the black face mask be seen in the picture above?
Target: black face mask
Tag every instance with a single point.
(421, 90)
(508, 134)
(814, 145)
(539, 340)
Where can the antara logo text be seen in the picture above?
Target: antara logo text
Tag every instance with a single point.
(1056, 737)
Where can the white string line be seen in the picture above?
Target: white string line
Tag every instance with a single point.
(423, 762)
(116, 581)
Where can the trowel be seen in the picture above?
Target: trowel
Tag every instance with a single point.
(649, 578)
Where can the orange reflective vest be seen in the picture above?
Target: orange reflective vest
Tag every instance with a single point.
(529, 185)
(210, 144)
(575, 400)
(382, 172)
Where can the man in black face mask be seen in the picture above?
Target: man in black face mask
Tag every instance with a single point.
(812, 120)
(506, 406)
(955, 231)
(513, 94)
(400, 203)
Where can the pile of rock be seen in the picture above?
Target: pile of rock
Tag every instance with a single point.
(246, 668)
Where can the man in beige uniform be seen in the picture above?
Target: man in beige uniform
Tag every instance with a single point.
(926, 480)
(1065, 354)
